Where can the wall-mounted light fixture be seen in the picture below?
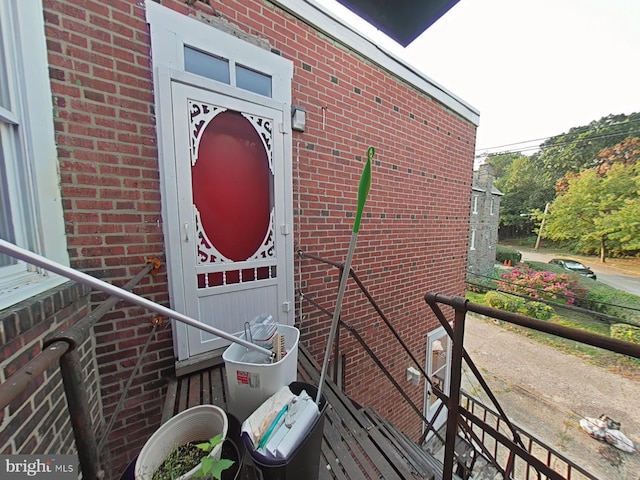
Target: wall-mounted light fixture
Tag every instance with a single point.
(298, 118)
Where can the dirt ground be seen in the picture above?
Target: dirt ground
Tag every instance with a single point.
(547, 392)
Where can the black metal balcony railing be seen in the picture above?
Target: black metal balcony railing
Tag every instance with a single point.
(63, 348)
(517, 451)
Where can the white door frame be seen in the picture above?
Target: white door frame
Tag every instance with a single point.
(444, 373)
(170, 33)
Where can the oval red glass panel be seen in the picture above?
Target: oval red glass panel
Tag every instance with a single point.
(231, 186)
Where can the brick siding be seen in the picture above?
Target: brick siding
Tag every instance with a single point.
(37, 421)
(413, 238)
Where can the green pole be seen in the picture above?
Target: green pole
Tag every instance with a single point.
(363, 192)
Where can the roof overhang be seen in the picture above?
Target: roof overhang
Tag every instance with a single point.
(402, 20)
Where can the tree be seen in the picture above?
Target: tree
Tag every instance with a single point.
(627, 152)
(578, 149)
(601, 212)
(526, 188)
(501, 162)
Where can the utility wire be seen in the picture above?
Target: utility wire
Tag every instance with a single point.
(538, 145)
(560, 144)
(577, 130)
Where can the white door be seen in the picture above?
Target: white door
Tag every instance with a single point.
(438, 369)
(231, 198)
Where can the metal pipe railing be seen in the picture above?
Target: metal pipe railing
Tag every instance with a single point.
(375, 306)
(516, 447)
(63, 348)
(81, 277)
(437, 392)
(461, 304)
(80, 414)
(29, 373)
(593, 339)
(379, 364)
(57, 346)
(453, 405)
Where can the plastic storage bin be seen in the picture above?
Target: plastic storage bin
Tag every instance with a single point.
(304, 462)
(250, 384)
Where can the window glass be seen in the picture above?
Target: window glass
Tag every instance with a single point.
(209, 66)
(4, 80)
(6, 225)
(253, 81)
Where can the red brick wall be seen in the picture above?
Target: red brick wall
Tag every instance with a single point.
(37, 421)
(413, 238)
(100, 70)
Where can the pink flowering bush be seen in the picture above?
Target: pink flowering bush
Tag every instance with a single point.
(545, 285)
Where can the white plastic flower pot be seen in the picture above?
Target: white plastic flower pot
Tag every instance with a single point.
(199, 423)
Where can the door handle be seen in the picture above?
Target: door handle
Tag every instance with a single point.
(186, 232)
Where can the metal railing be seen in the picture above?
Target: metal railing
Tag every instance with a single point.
(561, 464)
(63, 348)
(361, 341)
(429, 424)
(517, 450)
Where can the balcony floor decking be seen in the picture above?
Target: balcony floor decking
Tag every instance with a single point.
(353, 446)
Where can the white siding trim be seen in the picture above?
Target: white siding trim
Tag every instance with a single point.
(325, 21)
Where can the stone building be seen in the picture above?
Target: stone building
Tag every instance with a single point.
(485, 218)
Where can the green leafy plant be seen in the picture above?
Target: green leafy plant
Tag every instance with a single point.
(185, 457)
(513, 304)
(209, 465)
(628, 333)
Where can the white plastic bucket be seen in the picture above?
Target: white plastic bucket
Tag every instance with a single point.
(250, 384)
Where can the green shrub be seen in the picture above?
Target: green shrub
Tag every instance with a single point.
(605, 299)
(510, 303)
(508, 254)
(625, 332)
(483, 283)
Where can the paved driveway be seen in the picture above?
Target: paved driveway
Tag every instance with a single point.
(546, 392)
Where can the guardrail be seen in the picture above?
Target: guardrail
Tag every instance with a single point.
(517, 450)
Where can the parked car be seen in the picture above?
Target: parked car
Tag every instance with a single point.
(573, 266)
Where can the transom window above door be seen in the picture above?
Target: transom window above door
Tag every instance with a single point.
(226, 71)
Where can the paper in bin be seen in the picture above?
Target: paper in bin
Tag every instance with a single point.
(259, 421)
(298, 432)
(281, 431)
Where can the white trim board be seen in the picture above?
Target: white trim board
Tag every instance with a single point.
(325, 21)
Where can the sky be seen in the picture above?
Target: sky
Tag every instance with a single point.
(533, 68)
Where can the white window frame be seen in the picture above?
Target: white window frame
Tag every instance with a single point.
(28, 140)
(474, 208)
(472, 241)
(492, 206)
